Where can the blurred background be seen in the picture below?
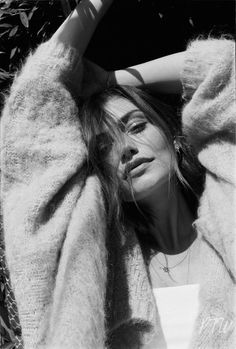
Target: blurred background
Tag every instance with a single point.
(132, 32)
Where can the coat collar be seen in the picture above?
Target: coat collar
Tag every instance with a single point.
(221, 242)
(133, 316)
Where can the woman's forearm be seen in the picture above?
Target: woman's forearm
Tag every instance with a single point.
(160, 75)
(78, 28)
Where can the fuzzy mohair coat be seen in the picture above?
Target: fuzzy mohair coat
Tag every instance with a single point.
(55, 222)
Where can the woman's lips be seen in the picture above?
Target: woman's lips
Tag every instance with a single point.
(131, 166)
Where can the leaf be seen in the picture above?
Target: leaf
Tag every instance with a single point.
(4, 75)
(6, 31)
(42, 28)
(13, 31)
(7, 4)
(24, 19)
(13, 51)
(32, 12)
(24, 3)
(191, 21)
(2, 15)
(5, 25)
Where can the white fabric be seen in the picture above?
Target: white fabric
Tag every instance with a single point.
(178, 308)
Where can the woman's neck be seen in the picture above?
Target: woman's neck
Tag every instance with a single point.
(171, 219)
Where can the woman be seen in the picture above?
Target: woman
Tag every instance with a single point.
(83, 267)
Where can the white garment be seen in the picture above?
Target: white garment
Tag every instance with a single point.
(178, 308)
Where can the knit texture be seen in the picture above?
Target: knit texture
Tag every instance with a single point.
(10, 330)
(54, 220)
(209, 118)
(53, 216)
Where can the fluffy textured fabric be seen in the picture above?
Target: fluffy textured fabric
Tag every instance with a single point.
(53, 216)
(54, 219)
(209, 121)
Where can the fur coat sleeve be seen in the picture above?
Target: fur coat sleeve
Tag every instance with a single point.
(209, 118)
(55, 244)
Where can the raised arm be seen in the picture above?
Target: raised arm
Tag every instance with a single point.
(162, 75)
(47, 199)
(76, 32)
(79, 27)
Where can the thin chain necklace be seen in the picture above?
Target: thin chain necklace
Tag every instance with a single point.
(166, 268)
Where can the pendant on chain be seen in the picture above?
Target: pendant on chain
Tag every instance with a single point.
(165, 269)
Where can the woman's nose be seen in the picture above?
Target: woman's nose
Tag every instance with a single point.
(128, 152)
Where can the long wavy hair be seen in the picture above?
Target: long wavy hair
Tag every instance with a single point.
(100, 131)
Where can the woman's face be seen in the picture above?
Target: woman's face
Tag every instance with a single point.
(141, 157)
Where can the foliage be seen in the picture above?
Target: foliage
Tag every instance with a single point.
(23, 25)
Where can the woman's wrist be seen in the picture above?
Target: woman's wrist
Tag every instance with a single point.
(123, 77)
(110, 80)
(96, 8)
(77, 30)
(100, 6)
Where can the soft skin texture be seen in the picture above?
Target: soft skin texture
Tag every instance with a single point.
(54, 220)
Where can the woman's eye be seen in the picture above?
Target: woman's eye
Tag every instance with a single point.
(136, 127)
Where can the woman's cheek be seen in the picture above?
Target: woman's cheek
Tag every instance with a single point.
(114, 157)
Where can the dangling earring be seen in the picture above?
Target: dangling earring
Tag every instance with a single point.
(178, 149)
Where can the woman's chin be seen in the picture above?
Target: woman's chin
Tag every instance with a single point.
(141, 188)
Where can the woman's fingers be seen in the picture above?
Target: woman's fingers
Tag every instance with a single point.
(94, 78)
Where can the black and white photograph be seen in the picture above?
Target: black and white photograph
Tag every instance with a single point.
(117, 174)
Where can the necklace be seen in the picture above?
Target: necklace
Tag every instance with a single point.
(166, 268)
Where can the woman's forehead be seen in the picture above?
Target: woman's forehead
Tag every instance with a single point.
(118, 107)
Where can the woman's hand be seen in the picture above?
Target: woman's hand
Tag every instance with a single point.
(76, 32)
(94, 78)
